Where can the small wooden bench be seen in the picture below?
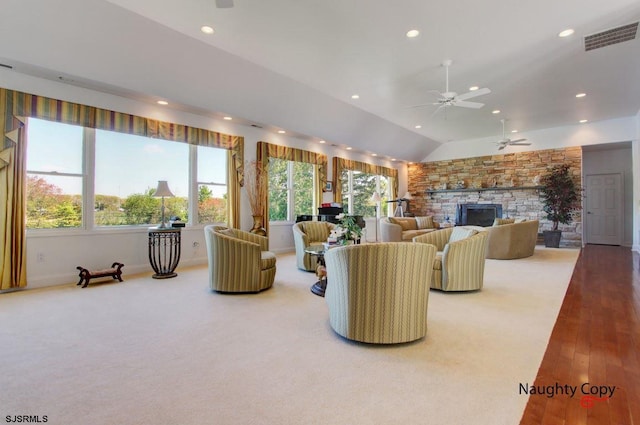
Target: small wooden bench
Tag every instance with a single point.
(115, 272)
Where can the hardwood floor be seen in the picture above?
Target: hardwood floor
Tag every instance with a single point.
(595, 342)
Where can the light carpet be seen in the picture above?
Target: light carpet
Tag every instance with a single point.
(170, 351)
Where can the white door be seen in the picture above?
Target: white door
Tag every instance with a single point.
(603, 220)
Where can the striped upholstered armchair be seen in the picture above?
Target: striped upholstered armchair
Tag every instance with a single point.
(238, 261)
(378, 293)
(459, 263)
(306, 233)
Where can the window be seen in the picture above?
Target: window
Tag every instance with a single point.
(357, 189)
(212, 185)
(290, 189)
(82, 177)
(127, 170)
(55, 175)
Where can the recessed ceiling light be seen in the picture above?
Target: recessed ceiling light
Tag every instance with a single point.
(393, 159)
(413, 33)
(227, 118)
(349, 148)
(473, 88)
(495, 111)
(162, 102)
(418, 126)
(566, 33)
(355, 96)
(281, 131)
(207, 29)
(322, 141)
(581, 95)
(374, 154)
(514, 131)
(583, 121)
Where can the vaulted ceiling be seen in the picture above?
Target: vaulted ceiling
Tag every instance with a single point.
(295, 64)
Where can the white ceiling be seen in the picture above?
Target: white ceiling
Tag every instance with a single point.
(294, 64)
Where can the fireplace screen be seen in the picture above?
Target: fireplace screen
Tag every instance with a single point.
(478, 214)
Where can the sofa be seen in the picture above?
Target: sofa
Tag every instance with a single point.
(460, 260)
(404, 229)
(511, 240)
(379, 293)
(305, 234)
(239, 261)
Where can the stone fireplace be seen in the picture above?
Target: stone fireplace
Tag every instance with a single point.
(478, 214)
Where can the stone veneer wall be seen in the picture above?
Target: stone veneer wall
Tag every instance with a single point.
(512, 170)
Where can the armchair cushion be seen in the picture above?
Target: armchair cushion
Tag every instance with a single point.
(460, 233)
(407, 223)
(425, 222)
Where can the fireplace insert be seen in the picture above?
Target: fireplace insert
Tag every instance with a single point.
(478, 214)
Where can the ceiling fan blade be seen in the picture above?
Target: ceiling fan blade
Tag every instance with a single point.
(224, 3)
(423, 104)
(466, 104)
(472, 94)
(501, 147)
(518, 141)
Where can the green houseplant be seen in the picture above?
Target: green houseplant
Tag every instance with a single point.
(561, 197)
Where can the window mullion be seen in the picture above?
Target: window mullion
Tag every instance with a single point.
(88, 180)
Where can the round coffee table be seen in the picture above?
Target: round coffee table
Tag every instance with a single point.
(318, 251)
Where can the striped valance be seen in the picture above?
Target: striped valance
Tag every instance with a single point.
(19, 104)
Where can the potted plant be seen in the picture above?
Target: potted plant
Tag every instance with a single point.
(561, 197)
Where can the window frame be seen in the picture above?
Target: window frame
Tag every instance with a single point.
(290, 189)
(88, 177)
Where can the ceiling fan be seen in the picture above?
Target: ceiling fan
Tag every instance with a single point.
(508, 142)
(451, 98)
(222, 4)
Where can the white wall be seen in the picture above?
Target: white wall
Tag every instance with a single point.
(610, 131)
(52, 256)
(635, 147)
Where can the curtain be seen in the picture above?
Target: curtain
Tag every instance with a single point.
(268, 150)
(13, 255)
(15, 104)
(340, 164)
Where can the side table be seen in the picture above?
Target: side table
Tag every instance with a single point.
(164, 251)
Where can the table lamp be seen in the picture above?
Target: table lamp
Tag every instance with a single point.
(161, 191)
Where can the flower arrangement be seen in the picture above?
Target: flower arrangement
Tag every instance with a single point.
(347, 230)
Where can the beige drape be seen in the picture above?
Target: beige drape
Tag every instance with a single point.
(14, 104)
(340, 164)
(268, 150)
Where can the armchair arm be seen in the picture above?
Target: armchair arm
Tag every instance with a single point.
(390, 232)
(439, 238)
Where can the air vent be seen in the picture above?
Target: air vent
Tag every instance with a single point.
(609, 37)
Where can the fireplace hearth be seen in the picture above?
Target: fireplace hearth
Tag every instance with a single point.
(478, 214)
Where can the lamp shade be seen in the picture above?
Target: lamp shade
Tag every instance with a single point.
(407, 195)
(163, 189)
(375, 197)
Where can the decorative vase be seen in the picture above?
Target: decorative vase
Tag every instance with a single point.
(257, 226)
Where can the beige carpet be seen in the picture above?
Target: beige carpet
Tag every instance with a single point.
(171, 352)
